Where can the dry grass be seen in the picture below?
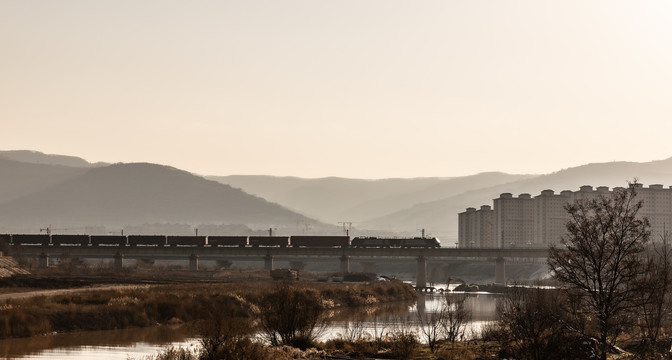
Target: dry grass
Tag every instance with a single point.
(161, 304)
(400, 346)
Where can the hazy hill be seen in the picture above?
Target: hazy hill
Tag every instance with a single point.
(19, 178)
(442, 189)
(325, 198)
(441, 215)
(38, 189)
(339, 199)
(126, 194)
(36, 157)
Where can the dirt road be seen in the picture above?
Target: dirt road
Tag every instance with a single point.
(53, 292)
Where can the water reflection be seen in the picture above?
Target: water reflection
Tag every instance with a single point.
(372, 321)
(481, 305)
(109, 344)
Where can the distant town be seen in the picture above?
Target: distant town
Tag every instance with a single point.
(527, 221)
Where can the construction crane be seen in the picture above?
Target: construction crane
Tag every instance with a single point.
(50, 229)
(47, 229)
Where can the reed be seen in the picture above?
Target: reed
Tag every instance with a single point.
(162, 304)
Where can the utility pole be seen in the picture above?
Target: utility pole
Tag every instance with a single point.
(349, 226)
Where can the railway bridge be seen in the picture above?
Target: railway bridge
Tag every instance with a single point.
(268, 254)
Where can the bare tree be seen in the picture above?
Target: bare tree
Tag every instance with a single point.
(226, 331)
(432, 326)
(601, 256)
(449, 322)
(535, 326)
(653, 300)
(380, 331)
(353, 330)
(289, 315)
(457, 316)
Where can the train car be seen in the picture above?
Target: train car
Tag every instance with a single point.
(69, 240)
(363, 242)
(30, 239)
(191, 241)
(319, 241)
(146, 240)
(419, 242)
(6, 238)
(108, 240)
(215, 241)
(281, 241)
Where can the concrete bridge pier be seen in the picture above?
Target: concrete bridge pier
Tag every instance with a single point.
(500, 271)
(193, 262)
(44, 260)
(345, 264)
(268, 262)
(421, 304)
(118, 262)
(421, 273)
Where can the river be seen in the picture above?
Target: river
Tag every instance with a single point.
(138, 343)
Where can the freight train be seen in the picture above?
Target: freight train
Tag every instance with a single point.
(217, 241)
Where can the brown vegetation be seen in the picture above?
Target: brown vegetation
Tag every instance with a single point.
(449, 323)
(617, 288)
(289, 315)
(534, 324)
(161, 304)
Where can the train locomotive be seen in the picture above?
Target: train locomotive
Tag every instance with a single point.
(416, 242)
(218, 241)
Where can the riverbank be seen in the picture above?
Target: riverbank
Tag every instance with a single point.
(398, 346)
(144, 304)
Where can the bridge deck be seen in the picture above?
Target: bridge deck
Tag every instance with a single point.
(205, 253)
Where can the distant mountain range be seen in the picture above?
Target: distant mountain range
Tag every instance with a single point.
(45, 191)
(406, 205)
(35, 157)
(355, 200)
(37, 190)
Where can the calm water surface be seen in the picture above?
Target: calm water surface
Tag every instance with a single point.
(482, 306)
(138, 343)
(109, 344)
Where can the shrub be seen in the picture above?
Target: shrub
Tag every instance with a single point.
(172, 353)
(534, 325)
(289, 315)
(403, 344)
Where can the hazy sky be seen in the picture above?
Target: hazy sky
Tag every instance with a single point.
(367, 89)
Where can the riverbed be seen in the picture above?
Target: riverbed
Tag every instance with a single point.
(138, 343)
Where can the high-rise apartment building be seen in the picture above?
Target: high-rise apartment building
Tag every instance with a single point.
(550, 216)
(466, 229)
(514, 220)
(475, 228)
(657, 207)
(525, 221)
